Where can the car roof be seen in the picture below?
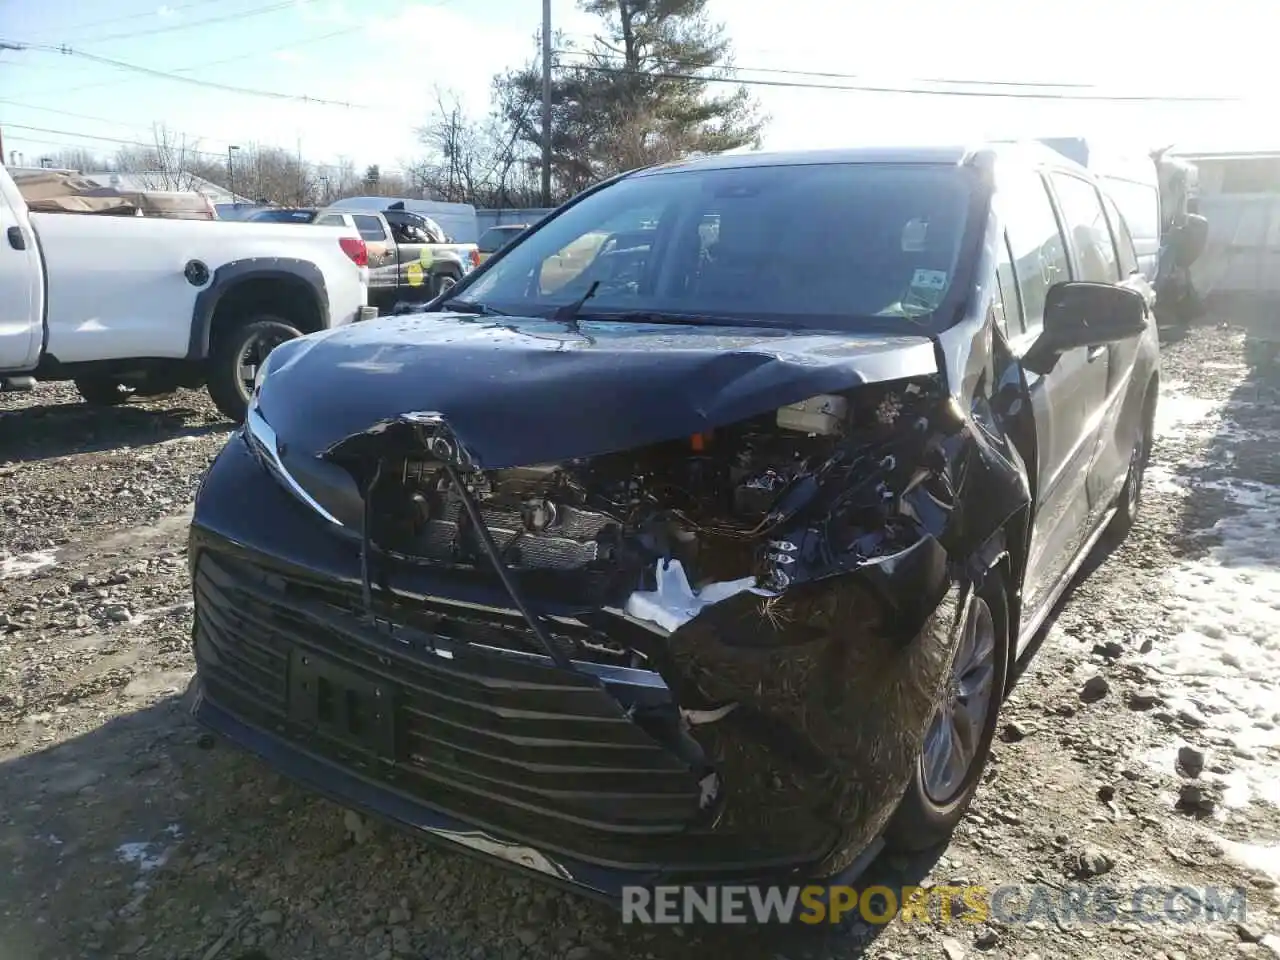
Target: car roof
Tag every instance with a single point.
(1027, 151)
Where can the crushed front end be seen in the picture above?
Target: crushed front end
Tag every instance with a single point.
(708, 658)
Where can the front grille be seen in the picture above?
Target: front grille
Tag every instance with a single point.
(489, 737)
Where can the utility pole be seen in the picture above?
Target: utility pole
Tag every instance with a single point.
(231, 174)
(546, 103)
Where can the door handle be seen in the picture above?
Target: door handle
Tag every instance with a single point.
(17, 238)
(1096, 352)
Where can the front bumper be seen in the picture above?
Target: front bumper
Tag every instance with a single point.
(500, 753)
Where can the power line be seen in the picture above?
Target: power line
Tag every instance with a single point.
(922, 91)
(225, 87)
(830, 76)
(119, 140)
(117, 123)
(136, 16)
(345, 32)
(244, 14)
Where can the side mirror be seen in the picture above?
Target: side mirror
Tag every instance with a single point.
(1082, 314)
(1190, 240)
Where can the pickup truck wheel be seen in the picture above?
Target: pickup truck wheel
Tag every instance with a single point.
(235, 357)
(102, 391)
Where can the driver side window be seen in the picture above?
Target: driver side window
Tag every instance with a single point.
(1036, 244)
(616, 254)
(569, 262)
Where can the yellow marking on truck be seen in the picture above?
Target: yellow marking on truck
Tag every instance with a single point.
(415, 272)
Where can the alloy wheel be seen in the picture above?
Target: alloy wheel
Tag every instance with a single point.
(955, 734)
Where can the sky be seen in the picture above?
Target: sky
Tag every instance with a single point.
(381, 64)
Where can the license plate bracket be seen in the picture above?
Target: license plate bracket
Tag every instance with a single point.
(353, 709)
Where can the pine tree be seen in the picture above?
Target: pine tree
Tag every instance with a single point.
(640, 93)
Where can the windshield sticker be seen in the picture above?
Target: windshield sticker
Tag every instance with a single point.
(929, 281)
(914, 235)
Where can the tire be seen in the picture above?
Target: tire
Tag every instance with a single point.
(251, 339)
(102, 391)
(933, 805)
(1131, 494)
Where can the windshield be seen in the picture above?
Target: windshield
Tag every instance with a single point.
(814, 245)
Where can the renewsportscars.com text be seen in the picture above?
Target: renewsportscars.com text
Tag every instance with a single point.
(1007, 904)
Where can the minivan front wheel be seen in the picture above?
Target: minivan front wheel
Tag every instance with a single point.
(958, 740)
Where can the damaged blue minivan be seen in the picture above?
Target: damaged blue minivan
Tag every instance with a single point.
(694, 537)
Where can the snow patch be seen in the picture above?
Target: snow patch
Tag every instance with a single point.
(1160, 480)
(1253, 857)
(1223, 664)
(23, 564)
(148, 856)
(1177, 410)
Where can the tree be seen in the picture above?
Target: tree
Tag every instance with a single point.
(81, 159)
(640, 93)
(168, 164)
(469, 160)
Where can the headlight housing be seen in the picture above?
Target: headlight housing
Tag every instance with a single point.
(263, 442)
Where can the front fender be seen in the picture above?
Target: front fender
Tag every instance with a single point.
(831, 707)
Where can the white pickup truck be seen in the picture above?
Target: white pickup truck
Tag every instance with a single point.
(136, 305)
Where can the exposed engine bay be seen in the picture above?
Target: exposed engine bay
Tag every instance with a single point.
(797, 494)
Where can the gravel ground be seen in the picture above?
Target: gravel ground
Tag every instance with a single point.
(126, 832)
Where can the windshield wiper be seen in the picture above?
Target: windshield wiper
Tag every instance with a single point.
(569, 312)
(471, 306)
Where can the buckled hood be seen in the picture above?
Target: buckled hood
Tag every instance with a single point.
(520, 391)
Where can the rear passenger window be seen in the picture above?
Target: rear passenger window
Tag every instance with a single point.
(1140, 203)
(1124, 239)
(1036, 246)
(1087, 225)
(370, 227)
(331, 220)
